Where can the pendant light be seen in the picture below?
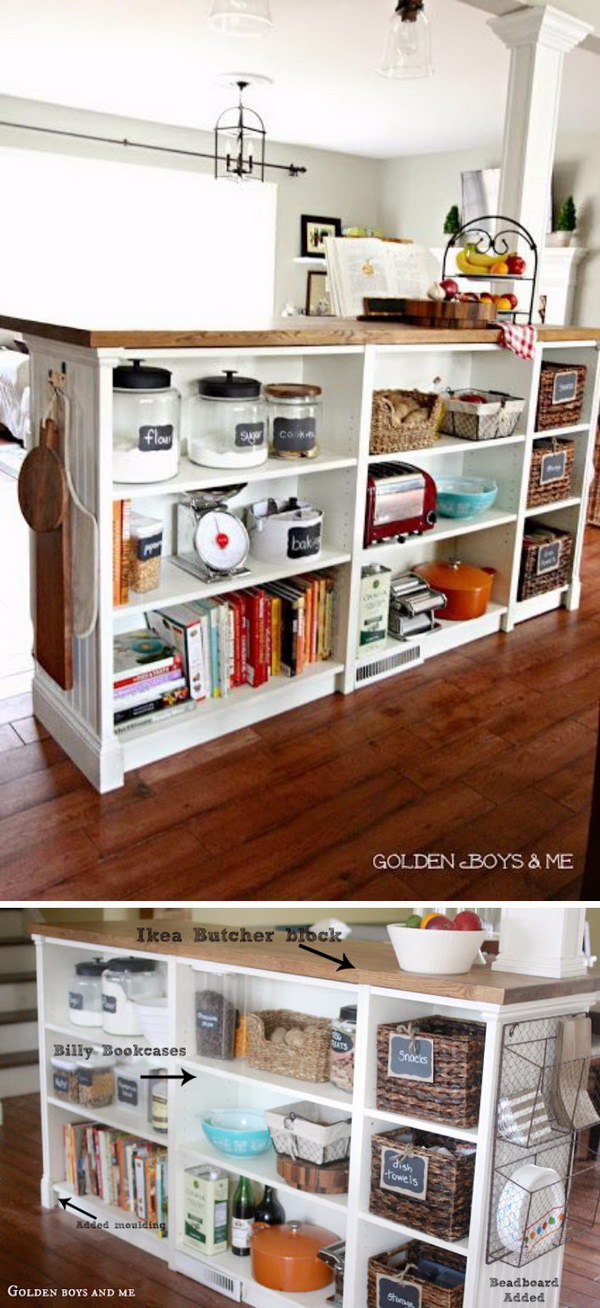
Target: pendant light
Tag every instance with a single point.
(241, 17)
(240, 136)
(407, 51)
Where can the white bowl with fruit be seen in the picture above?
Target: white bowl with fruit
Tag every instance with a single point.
(437, 945)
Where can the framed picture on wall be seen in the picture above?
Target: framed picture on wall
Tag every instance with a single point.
(313, 232)
(318, 302)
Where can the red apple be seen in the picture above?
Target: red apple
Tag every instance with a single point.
(450, 288)
(468, 297)
(440, 923)
(468, 921)
(514, 300)
(516, 265)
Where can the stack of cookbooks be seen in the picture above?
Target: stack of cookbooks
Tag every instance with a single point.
(119, 1169)
(148, 677)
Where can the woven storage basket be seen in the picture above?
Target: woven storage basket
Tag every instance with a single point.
(446, 1208)
(432, 1296)
(544, 485)
(392, 430)
(594, 501)
(536, 576)
(309, 1061)
(553, 410)
(310, 1132)
(496, 417)
(453, 1095)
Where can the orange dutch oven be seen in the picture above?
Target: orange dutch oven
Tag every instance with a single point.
(285, 1257)
(467, 589)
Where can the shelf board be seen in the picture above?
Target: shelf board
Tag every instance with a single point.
(193, 476)
(445, 529)
(179, 587)
(253, 1293)
(538, 509)
(312, 261)
(445, 445)
(131, 1123)
(238, 1069)
(92, 1035)
(538, 604)
(138, 1236)
(561, 431)
(423, 1124)
(262, 1168)
(449, 635)
(455, 1246)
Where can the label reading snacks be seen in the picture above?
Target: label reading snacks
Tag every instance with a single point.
(156, 438)
(548, 558)
(397, 1294)
(553, 467)
(564, 389)
(294, 435)
(410, 1059)
(404, 1173)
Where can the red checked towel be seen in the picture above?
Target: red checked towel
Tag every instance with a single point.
(520, 339)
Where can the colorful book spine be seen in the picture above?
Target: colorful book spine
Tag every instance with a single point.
(125, 696)
(116, 556)
(147, 675)
(181, 627)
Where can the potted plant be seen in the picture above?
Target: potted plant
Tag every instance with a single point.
(566, 223)
(452, 221)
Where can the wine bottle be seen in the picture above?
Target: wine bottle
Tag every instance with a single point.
(243, 1209)
(269, 1209)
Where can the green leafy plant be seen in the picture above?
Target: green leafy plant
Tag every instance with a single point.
(452, 221)
(567, 216)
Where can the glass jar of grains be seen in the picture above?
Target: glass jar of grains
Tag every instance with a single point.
(64, 1079)
(96, 1077)
(294, 414)
(343, 1040)
(158, 1105)
(145, 549)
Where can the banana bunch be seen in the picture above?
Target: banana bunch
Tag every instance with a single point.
(471, 262)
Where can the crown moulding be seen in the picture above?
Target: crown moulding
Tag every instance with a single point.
(545, 27)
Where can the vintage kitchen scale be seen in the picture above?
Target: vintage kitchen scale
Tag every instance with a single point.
(413, 606)
(212, 543)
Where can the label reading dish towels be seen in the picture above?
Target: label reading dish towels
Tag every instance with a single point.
(410, 1059)
(397, 1294)
(404, 1173)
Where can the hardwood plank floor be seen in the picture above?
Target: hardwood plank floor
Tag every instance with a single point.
(488, 751)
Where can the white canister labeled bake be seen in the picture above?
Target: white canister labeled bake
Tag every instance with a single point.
(125, 981)
(285, 530)
(145, 424)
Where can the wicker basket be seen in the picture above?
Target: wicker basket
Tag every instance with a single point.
(495, 417)
(560, 397)
(310, 1132)
(593, 515)
(550, 457)
(445, 1208)
(453, 1095)
(394, 429)
(417, 1255)
(309, 1060)
(543, 568)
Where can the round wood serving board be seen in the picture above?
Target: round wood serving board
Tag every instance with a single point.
(324, 1178)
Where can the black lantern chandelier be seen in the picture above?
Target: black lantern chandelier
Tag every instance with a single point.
(240, 137)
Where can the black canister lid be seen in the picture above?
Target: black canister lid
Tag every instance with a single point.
(229, 386)
(131, 965)
(348, 1014)
(136, 376)
(93, 967)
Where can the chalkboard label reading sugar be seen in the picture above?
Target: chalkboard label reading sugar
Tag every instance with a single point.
(548, 557)
(294, 435)
(303, 541)
(149, 547)
(405, 1173)
(127, 1091)
(156, 438)
(564, 389)
(397, 1294)
(109, 1003)
(75, 1001)
(553, 467)
(410, 1059)
(249, 435)
(341, 1043)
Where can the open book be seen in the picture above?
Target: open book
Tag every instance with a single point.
(361, 266)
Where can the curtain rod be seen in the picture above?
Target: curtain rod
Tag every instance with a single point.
(293, 170)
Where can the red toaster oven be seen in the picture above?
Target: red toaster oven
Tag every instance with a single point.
(401, 502)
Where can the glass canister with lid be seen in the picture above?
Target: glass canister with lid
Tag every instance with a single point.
(294, 417)
(343, 1041)
(145, 423)
(126, 982)
(228, 425)
(85, 993)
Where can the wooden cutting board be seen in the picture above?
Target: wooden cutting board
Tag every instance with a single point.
(326, 1178)
(45, 505)
(429, 313)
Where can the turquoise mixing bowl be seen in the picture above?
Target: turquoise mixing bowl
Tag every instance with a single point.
(236, 1131)
(464, 497)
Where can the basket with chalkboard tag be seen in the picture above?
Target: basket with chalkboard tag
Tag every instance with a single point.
(560, 397)
(423, 1180)
(431, 1068)
(395, 1277)
(545, 559)
(551, 471)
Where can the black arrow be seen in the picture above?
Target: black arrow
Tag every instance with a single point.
(343, 966)
(182, 1076)
(68, 1203)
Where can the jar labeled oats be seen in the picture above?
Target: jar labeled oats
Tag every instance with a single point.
(144, 552)
(343, 1040)
(96, 1078)
(65, 1084)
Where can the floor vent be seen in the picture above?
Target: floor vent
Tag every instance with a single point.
(221, 1281)
(384, 667)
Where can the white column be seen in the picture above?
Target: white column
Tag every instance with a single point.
(542, 940)
(538, 40)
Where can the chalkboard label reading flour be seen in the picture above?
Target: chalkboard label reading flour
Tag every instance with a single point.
(156, 438)
(405, 1173)
(304, 542)
(294, 435)
(397, 1294)
(249, 435)
(548, 557)
(553, 467)
(565, 388)
(410, 1058)
(75, 1001)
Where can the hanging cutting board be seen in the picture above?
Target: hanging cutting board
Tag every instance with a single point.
(326, 1178)
(44, 500)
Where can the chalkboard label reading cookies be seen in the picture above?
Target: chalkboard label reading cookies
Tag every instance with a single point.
(109, 1003)
(397, 1294)
(294, 435)
(410, 1059)
(149, 547)
(156, 438)
(127, 1091)
(553, 467)
(249, 435)
(548, 557)
(565, 388)
(405, 1173)
(75, 1001)
(303, 541)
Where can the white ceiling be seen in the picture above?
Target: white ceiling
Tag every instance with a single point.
(155, 60)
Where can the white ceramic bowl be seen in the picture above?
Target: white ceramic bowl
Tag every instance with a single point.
(435, 953)
(154, 1020)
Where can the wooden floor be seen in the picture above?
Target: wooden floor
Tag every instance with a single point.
(486, 751)
(43, 1249)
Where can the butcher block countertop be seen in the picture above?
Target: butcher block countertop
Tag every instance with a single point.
(374, 961)
(290, 332)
